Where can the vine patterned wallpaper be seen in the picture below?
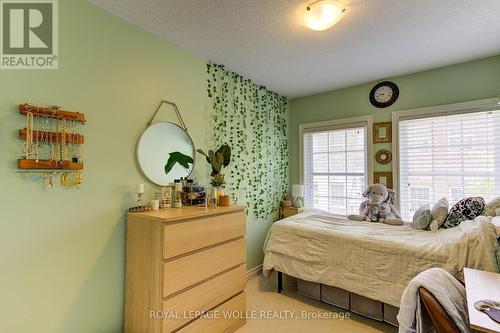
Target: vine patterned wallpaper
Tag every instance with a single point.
(253, 121)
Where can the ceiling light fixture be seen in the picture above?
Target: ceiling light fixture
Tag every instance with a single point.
(323, 14)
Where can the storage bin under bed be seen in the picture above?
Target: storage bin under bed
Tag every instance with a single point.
(350, 301)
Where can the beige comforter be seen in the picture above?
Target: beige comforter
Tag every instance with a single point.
(373, 259)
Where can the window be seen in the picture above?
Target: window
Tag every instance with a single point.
(419, 196)
(452, 155)
(455, 194)
(335, 168)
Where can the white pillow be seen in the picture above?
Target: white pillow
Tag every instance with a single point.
(434, 226)
(491, 207)
(496, 222)
(439, 213)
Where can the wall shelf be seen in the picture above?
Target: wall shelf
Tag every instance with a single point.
(52, 137)
(49, 164)
(51, 113)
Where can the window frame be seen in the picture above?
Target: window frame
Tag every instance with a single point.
(489, 104)
(336, 124)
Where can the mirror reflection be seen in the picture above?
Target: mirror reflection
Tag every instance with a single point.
(165, 152)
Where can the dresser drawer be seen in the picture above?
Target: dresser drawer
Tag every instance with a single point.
(217, 322)
(184, 237)
(203, 297)
(186, 271)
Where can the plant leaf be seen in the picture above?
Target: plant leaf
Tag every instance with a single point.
(211, 156)
(225, 150)
(178, 157)
(202, 152)
(170, 164)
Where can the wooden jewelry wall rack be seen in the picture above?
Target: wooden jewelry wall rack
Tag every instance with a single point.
(60, 147)
(54, 112)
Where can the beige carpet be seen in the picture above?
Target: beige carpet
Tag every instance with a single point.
(264, 301)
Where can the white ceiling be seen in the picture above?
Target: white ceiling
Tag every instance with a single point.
(266, 41)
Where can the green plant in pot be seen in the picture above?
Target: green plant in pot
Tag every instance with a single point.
(217, 160)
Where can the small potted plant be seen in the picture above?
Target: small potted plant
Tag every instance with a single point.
(217, 160)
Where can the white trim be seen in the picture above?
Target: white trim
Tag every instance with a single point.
(253, 272)
(337, 124)
(433, 111)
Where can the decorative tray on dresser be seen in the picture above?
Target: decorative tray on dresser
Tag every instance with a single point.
(185, 270)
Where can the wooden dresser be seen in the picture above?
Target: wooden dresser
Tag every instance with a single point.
(182, 263)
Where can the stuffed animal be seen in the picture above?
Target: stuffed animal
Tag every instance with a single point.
(371, 211)
(379, 206)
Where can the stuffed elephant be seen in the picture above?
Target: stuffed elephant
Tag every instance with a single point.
(371, 211)
(379, 206)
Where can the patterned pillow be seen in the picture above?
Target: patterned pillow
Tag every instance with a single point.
(422, 218)
(465, 209)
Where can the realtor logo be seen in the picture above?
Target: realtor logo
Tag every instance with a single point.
(29, 34)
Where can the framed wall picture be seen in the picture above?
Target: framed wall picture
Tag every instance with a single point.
(383, 156)
(383, 178)
(382, 132)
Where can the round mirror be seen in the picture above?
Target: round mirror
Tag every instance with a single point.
(165, 152)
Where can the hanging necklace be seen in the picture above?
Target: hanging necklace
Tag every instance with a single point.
(63, 138)
(43, 138)
(35, 134)
(57, 142)
(51, 142)
(37, 137)
(28, 145)
(73, 141)
(47, 137)
(75, 148)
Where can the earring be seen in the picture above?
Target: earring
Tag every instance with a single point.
(76, 180)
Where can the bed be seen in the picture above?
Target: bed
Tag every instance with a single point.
(374, 260)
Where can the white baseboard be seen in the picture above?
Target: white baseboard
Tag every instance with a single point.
(254, 272)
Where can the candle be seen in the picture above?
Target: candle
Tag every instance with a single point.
(139, 188)
(155, 204)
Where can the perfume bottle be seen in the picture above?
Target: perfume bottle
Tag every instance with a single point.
(177, 193)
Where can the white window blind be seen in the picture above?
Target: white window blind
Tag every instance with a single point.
(452, 156)
(335, 168)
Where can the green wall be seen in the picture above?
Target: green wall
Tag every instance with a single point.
(453, 84)
(62, 250)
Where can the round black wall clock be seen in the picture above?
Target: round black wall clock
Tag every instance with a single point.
(384, 94)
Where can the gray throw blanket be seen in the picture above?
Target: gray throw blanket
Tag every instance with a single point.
(449, 292)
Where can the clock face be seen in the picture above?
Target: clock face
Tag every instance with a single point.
(384, 94)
